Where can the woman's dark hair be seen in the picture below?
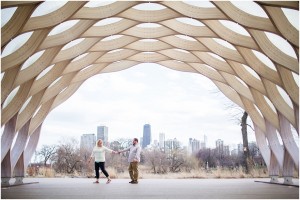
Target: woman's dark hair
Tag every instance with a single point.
(135, 139)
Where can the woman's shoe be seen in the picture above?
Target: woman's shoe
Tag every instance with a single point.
(108, 181)
(96, 182)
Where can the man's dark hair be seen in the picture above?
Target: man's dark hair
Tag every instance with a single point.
(135, 139)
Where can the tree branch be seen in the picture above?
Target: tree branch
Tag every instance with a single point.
(250, 126)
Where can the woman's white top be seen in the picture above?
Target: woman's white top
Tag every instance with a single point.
(99, 153)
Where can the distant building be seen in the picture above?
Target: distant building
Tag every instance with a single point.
(226, 150)
(141, 141)
(240, 148)
(102, 133)
(234, 152)
(87, 142)
(171, 145)
(162, 141)
(146, 135)
(253, 149)
(204, 143)
(155, 143)
(220, 147)
(193, 146)
(190, 146)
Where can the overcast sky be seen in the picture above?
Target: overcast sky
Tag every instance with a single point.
(182, 105)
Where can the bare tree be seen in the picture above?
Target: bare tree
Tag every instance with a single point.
(156, 159)
(255, 156)
(208, 158)
(46, 153)
(241, 116)
(175, 156)
(191, 162)
(119, 161)
(245, 140)
(86, 168)
(67, 157)
(248, 162)
(176, 160)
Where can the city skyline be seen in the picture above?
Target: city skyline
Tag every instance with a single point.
(101, 132)
(184, 143)
(146, 93)
(201, 144)
(87, 142)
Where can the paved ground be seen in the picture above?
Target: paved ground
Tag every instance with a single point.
(83, 188)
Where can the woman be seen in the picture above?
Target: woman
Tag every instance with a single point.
(99, 154)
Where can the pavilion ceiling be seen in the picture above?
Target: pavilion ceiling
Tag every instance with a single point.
(53, 61)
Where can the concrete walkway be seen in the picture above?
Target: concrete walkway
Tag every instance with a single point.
(83, 188)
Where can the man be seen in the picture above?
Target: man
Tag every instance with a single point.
(133, 159)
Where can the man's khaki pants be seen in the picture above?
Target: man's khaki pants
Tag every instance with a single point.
(134, 171)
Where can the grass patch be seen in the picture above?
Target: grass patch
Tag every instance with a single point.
(145, 173)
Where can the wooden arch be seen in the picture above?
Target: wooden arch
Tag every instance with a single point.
(28, 94)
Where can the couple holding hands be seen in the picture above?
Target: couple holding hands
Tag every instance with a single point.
(133, 160)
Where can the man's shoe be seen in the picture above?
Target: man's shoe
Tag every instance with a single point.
(131, 181)
(134, 182)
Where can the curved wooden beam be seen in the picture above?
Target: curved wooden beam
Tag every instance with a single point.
(19, 146)
(174, 43)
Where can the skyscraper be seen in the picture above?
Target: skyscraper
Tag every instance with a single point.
(171, 145)
(194, 146)
(146, 135)
(162, 141)
(87, 142)
(220, 147)
(102, 133)
(155, 143)
(205, 142)
(226, 150)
